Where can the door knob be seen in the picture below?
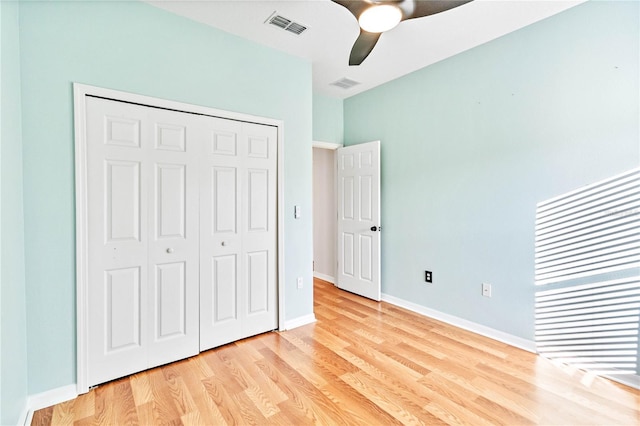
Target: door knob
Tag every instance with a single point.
(223, 243)
(374, 229)
(169, 250)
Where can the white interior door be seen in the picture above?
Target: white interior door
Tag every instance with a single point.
(238, 217)
(142, 191)
(358, 178)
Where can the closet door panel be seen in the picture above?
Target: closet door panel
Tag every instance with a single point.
(170, 296)
(224, 208)
(220, 240)
(173, 229)
(122, 317)
(259, 231)
(143, 238)
(258, 200)
(225, 289)
(258, 282)
(117, 240)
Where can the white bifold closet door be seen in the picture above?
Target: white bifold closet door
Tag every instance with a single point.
(238, 237)
(143, 238)
(182, 235)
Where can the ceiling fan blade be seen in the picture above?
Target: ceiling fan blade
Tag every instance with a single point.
(362, 47)
(356, 7)
(431, 7)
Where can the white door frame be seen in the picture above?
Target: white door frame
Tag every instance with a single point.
(326, 145)
(332, 146)
(80, 92)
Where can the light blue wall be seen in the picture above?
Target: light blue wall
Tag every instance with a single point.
(328, 119)
(471, 144)
(135, 47)
(13, 341)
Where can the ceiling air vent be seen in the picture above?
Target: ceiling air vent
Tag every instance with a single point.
(286, 24)
(345, 83)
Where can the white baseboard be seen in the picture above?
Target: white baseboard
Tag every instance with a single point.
(25, 416)
(299, 322)
(509, 339)
(323, 277)
(630, 380)
(49, 398)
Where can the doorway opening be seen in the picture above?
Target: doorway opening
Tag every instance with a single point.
(347, 217)
(324, 211)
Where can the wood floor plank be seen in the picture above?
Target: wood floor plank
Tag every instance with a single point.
(519, 403)
(192, 375)
(447, 405)
(362, 363)
(125, 414)
(362, 410)
(163, 406)
(222, 374)
(63, 413)
(145, 413)
(104, 412)
(261, 401)
(193, 419)
(141, 388)
(180, 393)
(84, 407)
(396, 405)
(227, 407)
(316, 405)
(506, 415)
(395, 381)
(43, 417)
(249, 412)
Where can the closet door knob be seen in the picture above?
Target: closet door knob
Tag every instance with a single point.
(224, 243)
(169, 250)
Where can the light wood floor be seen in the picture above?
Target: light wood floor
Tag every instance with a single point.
(362, 363)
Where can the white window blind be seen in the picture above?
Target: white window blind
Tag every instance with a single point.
(587, 269)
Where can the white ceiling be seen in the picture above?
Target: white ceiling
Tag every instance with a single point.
(332, 30)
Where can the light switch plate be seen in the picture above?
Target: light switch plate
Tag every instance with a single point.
(486, 289)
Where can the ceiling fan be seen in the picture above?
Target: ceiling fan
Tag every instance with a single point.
(378, 16)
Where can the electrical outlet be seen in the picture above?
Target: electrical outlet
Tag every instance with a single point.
(299, 282)
(486, 290)
(428, 276)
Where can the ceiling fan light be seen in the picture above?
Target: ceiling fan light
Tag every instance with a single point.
(380, 18)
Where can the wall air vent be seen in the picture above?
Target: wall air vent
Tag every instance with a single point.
(285, 24)
(345, 83)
